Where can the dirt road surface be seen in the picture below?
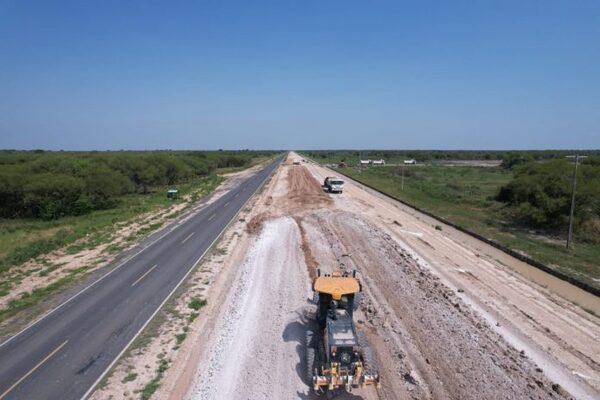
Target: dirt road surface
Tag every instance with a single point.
(445, 321)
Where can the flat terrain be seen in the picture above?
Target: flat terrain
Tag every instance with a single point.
(449, 316)
(464, 195)
(64, 353)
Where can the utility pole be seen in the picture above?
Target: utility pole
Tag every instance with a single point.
(402, 167)
(570, 236)
(359, 163)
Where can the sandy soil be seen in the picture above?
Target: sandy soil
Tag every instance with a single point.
(432, 339)
(558, 335)
(449, 317)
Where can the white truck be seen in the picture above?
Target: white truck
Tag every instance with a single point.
(333, 185)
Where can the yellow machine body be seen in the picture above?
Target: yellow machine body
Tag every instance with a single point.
(336, 285)
(331, 374)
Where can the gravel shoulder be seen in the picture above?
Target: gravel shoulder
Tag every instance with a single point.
(256, 351)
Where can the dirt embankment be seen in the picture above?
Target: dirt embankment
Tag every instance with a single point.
(522, 304)
(254, 347)
(430, 343)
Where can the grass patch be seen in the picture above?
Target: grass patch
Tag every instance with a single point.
(130, 377)
(197, 303)
(37, 295)
(255, 161)
(220, 252)
(150, 388)
(5, 288)
(115, 248)
(25, 238)
(149, 228)
(48, 270)
(192, 317)
(180, 337)
(154, 384)
(465, 196)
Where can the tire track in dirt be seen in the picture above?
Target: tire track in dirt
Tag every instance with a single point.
(446, 350)
(430, 344)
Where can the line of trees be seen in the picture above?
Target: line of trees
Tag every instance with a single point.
(509, 157)
(50, 185)
(539, 196)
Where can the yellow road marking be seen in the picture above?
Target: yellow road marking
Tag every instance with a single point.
(212, 216)
(31, 371)
(142, 277)
(186, 239)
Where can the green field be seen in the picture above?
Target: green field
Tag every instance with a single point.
(25, 238)
(21, 240)
(465, 196)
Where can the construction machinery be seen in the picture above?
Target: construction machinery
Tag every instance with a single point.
(338, 356)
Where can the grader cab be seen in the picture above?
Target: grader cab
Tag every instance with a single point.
(337, 355)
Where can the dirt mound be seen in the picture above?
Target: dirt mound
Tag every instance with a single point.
(304, 191)
(255, 225)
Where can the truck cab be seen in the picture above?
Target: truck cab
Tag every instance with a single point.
(333, 184)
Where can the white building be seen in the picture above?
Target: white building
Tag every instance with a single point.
(378, 162)
(410, 162)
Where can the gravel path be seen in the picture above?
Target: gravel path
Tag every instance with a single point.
(257, 352)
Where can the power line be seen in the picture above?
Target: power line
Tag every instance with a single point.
(570, 236)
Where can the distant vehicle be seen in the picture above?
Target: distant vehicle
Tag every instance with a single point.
(303, 160)
(365, 162)
(378, 162)
(342, 165)
(410, 162)
(172, 194)
(296, 162)
(333, 185)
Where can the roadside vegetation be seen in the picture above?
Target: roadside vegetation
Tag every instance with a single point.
(522, 203)
(507, 157)
(42, 194)
(51, 199)
(51, 185)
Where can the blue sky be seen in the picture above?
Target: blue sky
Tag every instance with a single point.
(299, 74)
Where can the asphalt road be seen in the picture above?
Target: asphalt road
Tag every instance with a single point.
(64, 354)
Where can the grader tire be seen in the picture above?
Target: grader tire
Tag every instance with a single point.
(357, 301)
(310, 357)
(368, 355)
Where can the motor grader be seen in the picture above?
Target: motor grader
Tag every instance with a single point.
(337, 355)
